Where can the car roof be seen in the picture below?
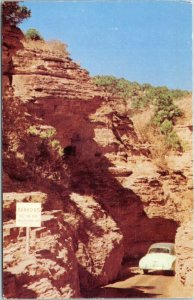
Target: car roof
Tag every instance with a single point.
(166, 245)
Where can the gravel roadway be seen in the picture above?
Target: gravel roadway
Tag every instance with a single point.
(133, 284)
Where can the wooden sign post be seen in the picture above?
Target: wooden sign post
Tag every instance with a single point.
(28, 215)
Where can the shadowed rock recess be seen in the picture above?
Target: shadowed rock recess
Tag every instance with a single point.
(103, 200)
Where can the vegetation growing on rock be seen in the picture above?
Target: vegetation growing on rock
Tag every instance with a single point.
(33, 34)
(13, 13)
(28, 152)
(145, 96)
(58, 46)
(103, 157)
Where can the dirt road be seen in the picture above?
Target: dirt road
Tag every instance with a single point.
(135, 285)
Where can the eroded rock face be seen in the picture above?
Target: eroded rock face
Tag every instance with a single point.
(99, 243)
(61, 252)
(184, 252)
(101, 147)
(164, 193)
(71, 249)
(47, 75)
(116, 195)
(97, 131)
(50, 271)
(10, 200)
(11, 37)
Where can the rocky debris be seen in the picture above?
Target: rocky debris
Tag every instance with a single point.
(184, 253)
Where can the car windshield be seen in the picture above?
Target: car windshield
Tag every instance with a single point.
(159, 250)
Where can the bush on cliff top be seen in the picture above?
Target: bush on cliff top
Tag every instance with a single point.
(33, 34)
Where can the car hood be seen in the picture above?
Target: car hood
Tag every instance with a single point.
(162, 257)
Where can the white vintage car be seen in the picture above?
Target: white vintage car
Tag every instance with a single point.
(160, 256)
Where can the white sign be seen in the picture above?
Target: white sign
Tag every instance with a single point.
(28, 214)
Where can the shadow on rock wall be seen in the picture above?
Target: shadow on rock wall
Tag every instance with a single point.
(14, 287)
(90, 174)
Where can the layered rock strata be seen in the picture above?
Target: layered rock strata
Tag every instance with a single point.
(50, 270)
(101, 147)
(69, 250)
(11, 37)
(116, 195)
(96, 130)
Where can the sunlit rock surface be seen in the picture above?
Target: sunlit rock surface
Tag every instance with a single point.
(117, 201)
(184, 252)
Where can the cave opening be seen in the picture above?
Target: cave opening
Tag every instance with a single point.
(69, 151)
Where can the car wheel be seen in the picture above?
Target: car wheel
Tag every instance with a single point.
(170, 273)
(145, 271)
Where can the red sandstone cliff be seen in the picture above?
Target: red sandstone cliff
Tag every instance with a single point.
(184, 250)
(104, 150)
(75, 246)
(114, 193)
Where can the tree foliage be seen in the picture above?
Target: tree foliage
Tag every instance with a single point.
(141, 95)
(28, 153)
(145, 95)
(165, 109)
(14, 123)
(13, 13)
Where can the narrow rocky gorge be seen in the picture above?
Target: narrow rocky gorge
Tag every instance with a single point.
(115, 201)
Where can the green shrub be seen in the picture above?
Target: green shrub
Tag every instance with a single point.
(42, 133)
(165, 109)
(55, 144)
(171, 138)
(33, 34)
(142, 97)
(166, 127)
(173, 141)
(185, 145)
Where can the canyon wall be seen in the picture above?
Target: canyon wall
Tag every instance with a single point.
(184, 251)
(116, 201)
(101, 147)
(71, 249)
(74, 247)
